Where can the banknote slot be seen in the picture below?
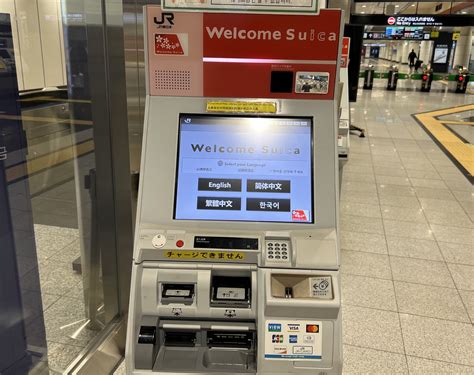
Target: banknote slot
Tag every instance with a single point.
(180, 339)
(241, 340)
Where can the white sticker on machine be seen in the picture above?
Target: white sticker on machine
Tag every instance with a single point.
(293, 340)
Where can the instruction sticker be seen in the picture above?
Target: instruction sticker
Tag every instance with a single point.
(242, 107)
(293, 340)
(234, 256)
(321, 287)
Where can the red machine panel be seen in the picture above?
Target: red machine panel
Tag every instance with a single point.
(243, 55)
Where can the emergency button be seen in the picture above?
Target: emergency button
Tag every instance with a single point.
(179, 243)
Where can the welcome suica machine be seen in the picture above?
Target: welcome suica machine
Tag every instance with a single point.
(236, 258)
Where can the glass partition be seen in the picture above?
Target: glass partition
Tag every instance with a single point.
(58, 184)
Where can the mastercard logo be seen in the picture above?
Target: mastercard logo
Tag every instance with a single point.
(312, 328)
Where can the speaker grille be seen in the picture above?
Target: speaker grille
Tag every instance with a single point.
(173, 80)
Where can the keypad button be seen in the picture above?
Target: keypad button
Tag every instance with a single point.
(277, 257)
(270, 257)
(284, 257)
(284, 245)
(270, 244)
(270, 252)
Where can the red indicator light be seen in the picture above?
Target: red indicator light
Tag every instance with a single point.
(425, 77)
(179, 243)
(461, 78)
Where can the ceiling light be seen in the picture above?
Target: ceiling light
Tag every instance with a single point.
(363, 6)
(362, 12)
(412, 5)
(464, 12)
(396, 6)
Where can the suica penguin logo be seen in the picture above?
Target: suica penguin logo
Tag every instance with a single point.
(166, 21)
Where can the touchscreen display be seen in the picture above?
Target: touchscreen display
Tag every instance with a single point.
(242, 168)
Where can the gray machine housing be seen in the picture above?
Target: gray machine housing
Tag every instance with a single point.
(313, 248)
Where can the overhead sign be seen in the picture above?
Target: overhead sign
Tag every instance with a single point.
(456, 35)
(266, 6)
(413, 20)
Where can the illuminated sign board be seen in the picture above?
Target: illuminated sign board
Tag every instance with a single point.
(412, 20)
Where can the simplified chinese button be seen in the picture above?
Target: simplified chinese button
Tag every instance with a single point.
(218, 203)
(268, 204)
(220, 184)
(268, 186)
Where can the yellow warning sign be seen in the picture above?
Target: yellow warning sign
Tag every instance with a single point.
(435, 34)
(456, 36)
(233, 256)
(242, 107)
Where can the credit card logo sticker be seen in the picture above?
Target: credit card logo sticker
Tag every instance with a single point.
(308, 339)
(272, 327)
(312, 328)
(280, 350)
(293, 327)
(293, 339)
(302, 350)
(277, 339)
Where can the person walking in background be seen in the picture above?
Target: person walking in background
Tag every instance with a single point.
(411, 58)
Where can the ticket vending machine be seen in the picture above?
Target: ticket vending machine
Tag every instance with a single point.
(236, 255)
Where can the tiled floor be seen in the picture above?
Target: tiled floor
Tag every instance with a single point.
(59, 297)
(407, 243)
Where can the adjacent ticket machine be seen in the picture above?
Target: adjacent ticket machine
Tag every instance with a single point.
(236, 258)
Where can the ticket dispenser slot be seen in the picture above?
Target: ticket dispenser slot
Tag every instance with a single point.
(177, 293)
(231, 291)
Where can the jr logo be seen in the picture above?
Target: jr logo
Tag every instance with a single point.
(166, 20)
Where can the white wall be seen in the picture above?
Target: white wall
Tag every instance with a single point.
(38, 42)
(463, 47)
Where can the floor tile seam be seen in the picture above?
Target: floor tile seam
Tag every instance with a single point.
(431, 260)
(377, 350)
(452, 226)
(462, 206)
(468, 321)
(371, 308)
(67, 344)
(438, 360)
(365, 232)
(391, 273)
(60, 250)
(466, 309)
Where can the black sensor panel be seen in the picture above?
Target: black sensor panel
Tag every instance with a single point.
(281, 82)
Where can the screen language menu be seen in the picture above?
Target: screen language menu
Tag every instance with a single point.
(244, 169)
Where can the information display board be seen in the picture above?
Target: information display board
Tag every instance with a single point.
(267, 6)
(242, 168)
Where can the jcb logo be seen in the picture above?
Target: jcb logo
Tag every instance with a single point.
(166, 21)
